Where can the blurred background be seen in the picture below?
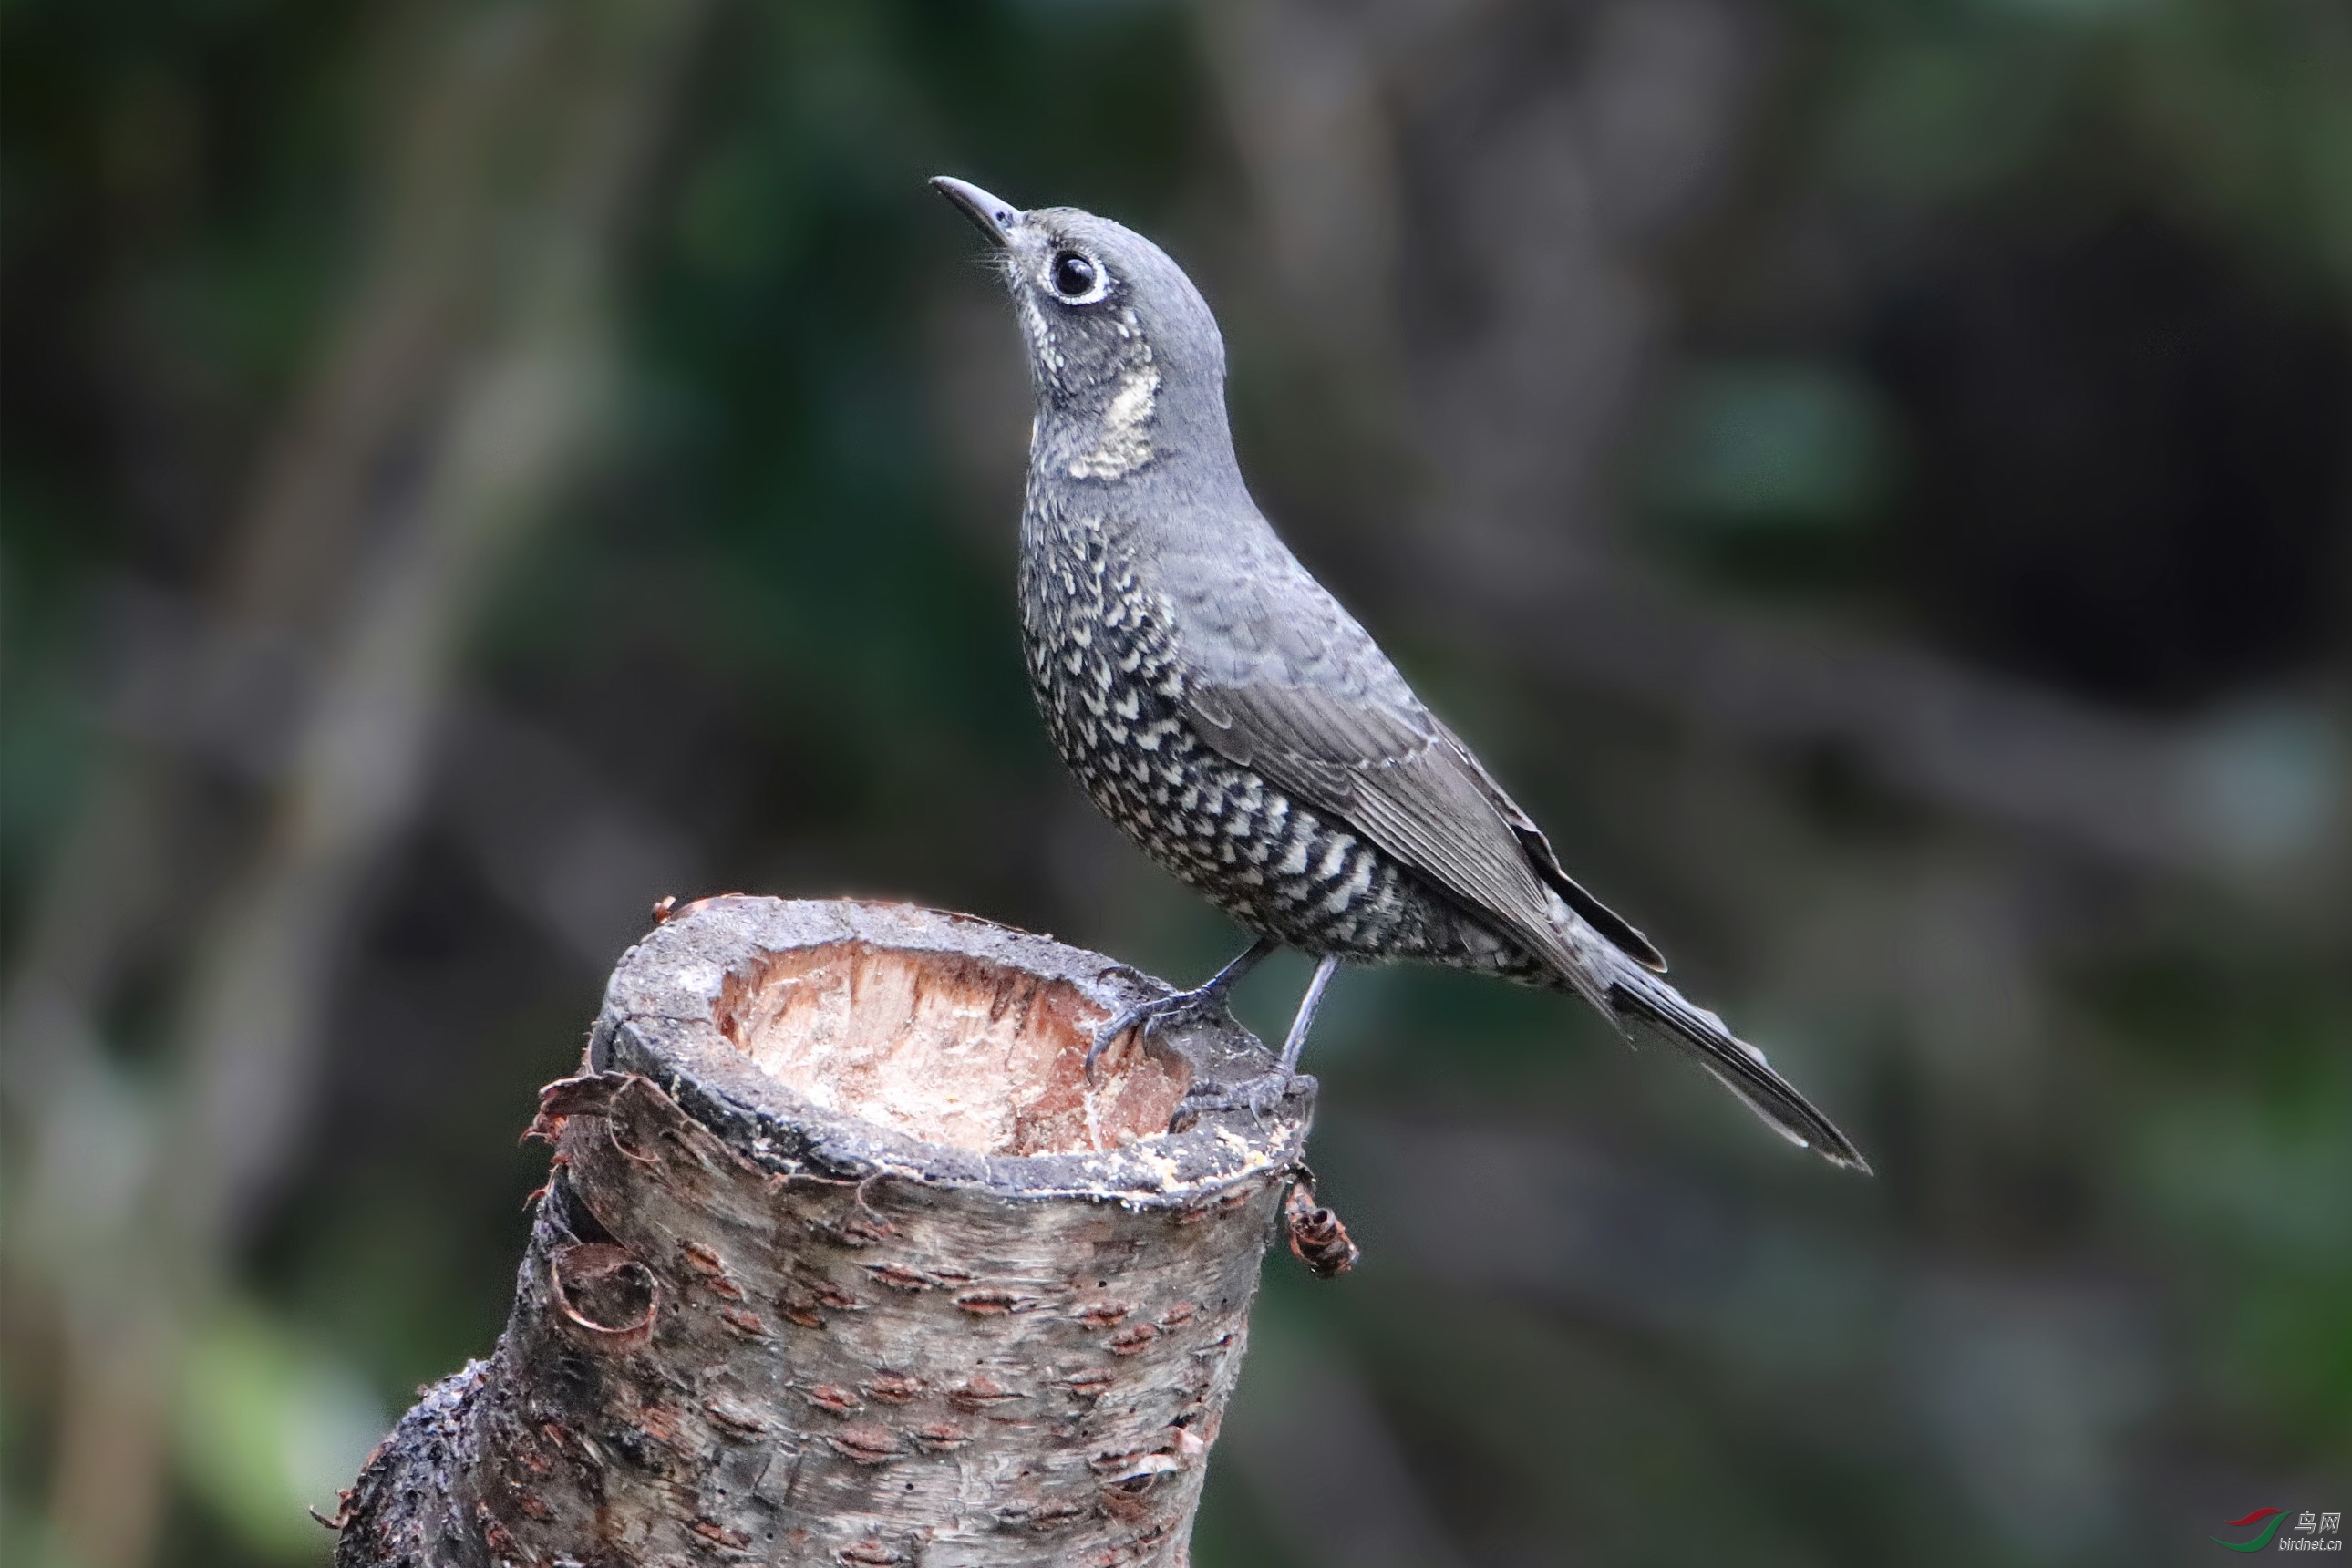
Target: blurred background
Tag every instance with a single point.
(1872, 478)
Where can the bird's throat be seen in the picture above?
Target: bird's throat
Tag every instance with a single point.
(1119, 440)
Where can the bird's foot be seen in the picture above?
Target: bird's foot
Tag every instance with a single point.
(1257, 1096)
(1202, 1004)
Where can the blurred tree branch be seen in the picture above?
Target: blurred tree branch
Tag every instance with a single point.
(447, 413)
(548, 830)
(2136, 792)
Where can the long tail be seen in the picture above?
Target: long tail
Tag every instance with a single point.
(1638, 997)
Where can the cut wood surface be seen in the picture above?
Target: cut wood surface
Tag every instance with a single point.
(845, 1260)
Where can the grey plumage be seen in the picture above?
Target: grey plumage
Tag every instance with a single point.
(1223, 710)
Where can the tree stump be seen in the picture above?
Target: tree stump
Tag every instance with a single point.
(843, 1260)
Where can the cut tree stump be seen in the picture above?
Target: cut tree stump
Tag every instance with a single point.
(843, 1260)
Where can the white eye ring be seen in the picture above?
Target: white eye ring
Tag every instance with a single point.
(1070, 265)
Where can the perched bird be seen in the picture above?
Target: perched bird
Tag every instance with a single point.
(1223, 710)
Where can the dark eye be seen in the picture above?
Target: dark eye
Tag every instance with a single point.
(1075, 276)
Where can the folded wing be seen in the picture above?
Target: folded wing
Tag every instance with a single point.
(1390, 770)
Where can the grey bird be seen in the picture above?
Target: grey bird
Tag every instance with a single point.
(1223, 710)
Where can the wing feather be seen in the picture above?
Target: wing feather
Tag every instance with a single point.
(1397, 777)
(1289, 683)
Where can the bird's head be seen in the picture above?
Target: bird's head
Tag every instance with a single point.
(1122, 348)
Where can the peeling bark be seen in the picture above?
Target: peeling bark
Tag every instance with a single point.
(843, 1260)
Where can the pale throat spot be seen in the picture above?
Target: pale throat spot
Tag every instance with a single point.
(1125, 442)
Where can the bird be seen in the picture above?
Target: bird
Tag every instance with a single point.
(1223, 710)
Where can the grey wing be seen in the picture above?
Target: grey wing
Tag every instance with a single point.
(1286, 683)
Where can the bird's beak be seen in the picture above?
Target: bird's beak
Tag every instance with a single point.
(992, 216)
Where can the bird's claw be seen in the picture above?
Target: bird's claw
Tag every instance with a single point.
(1257, 1096)
(1204, 1005)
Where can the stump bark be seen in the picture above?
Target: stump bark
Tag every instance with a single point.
(843, 1260)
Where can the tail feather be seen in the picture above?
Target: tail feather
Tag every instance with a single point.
(1639, 996)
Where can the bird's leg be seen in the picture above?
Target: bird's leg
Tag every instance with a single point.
(1295, 1040)
(1205, 1001)
(1261, 1094)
